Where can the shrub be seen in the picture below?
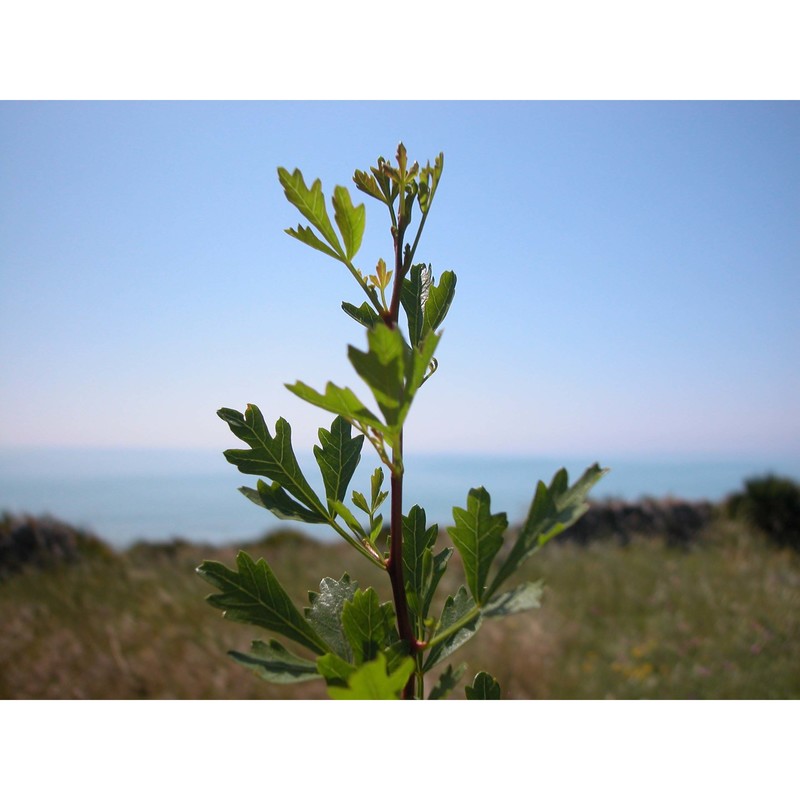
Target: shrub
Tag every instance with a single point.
(771, 504)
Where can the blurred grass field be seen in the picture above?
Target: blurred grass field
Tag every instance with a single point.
(719, 620)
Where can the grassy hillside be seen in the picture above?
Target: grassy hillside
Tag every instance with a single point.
(720, 619)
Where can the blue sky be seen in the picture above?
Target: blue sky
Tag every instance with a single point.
(629, 273)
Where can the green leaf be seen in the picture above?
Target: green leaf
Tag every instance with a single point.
(448, 681)
(478, 535)
(367, 624)
(334, 669)
(367, 184)
(254, 596)
(350, 520)
(439, 299)
(413, 294)
(433, 574)
(338, 457)
(340, 401)
(425, 303)
(418, 540)
(311, 204)
(273, 498)
(382, 368)
(325, 614)
(274, 663)
(271, 457)
(307, 236)
(360, 502)
(372, 682)
(524, 597)
(484, 687)
(350, 220)
(363, 314)
(458, 623)
(428, 182)
(421, 358)
(552, 511)
(375, 482)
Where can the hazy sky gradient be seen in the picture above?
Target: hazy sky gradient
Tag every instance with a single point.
(629, 273)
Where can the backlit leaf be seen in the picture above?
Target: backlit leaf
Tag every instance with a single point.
(371, 681)
(364, 314)
(350, 220)
(307, 236)
(310, 202)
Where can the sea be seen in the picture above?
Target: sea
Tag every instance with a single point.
(126, 496)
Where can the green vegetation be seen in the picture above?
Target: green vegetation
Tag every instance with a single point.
(720, 619)
(361, 647)
(772, 505)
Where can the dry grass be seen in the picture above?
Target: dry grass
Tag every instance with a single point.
(721, 620)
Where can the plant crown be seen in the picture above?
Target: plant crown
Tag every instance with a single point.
(363, 648)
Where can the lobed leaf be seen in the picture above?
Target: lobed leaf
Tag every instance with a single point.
(335, 669)
(307, 236)
(426, 304)
(338, 457)
(340, 401)
(350, 220)
(363, 314)
(325, 613)
(310, 202)
(552, 511)
(420, 570)
(458, 623)
(274, 663)
(273, 498)
(484, 687)
(477, 535)
(253, 595)
(372, 681)
(382, 368)
(367, 624)
(524, 597)
(447, 681)
(439, 300)
(271, 457)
